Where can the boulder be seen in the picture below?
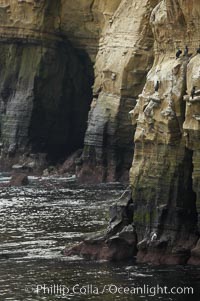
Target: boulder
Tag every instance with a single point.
(19, 179)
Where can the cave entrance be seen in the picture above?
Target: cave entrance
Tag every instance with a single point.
(62, 97)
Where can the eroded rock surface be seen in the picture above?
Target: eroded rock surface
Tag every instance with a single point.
(118, 242)
(47, 52)
(164, 174)
(45, 87)
(165, 169)
(124, 57)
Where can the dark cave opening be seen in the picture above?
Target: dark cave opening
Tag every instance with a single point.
(62, 97)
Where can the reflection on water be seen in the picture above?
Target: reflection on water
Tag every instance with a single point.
(39, 220)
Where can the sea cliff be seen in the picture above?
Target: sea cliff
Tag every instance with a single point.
(108, 77)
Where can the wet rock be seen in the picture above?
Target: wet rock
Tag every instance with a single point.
(195, 255)
(19, 179)
(162, 251)
(89, 173)
(17, 167)
(119, 242)
(46, 172)
(30, 163)
(121, 214)
(69, 166)
(113, 249)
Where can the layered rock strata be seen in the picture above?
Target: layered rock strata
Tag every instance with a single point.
(83, 21)
(47, 52)
(124, 57)
(164, 174)
(45, 87)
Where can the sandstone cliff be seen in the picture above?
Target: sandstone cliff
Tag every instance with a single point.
(164, 174)
(124, 57)
(45, 87)
(165, 171)
(60, 59)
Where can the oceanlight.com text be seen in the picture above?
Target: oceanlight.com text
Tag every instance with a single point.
(90, 289)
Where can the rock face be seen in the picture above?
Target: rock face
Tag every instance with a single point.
(47, 52)
(165, 170)
(45, 87)
(119, 242)
(125, 55)
(47, 82)
(84, 20)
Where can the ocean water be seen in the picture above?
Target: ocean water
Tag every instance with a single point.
(38, 221)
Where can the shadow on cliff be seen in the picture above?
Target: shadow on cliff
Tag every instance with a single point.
(62, 97)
